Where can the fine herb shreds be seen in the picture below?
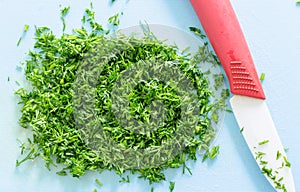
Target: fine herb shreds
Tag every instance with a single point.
(25, 29)
(172, 186)
(125, 180)
(197, 32)
(99, 182)
(211, 153)
(263, 142)
(47, 108)
(63, 13)
(114, 20)
(262, 76)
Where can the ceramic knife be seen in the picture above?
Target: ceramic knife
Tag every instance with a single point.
(221, 25)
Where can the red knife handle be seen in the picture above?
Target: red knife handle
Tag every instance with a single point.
(225, 34)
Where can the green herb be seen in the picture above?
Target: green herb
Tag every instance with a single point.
(263, 142)
(214, 152)
(278, 155)
(99, 182)
(19, 41)
(259, 155)
(114, 20)
(219, 79)
(262, 162)
(152, 189)
(297, 1)
(171, 186)
(95, 190)
(63, 13)
(282, 165)
(287, 163)
(241, 130)
(262, 76)
(52, 69)
(271, 173)
(25, 29)
(220, 103)
(211, 153)
(197, 32)
(267, 171)
(8, 79)
(62, 173)
(125, 180)
(89, 20)
(185, 167)
(32, 154)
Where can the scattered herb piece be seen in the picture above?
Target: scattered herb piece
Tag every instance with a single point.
(267, 171)
(25, 29)
(287, 163)
(262, 162)
(262, 76)
(19, 41)
(211, 153)
(91, 5)
(214, 152)
(297, 1)
(114, 20)
(62, 173)
(185, 167)
(63, 13)
(125, 180)
(197, 32)
(242, 129)
(219, 79)
(171, 186)
(8, 79)
(99, 182)
(259, 155)
(278, 155)
(282, 165)
(263, 142)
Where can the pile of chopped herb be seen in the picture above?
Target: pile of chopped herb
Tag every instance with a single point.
(59, 100)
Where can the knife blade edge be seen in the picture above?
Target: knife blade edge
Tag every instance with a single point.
(260, 133)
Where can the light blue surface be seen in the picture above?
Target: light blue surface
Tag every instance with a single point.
(272, 30)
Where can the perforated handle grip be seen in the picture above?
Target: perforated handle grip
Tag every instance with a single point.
(225, 34)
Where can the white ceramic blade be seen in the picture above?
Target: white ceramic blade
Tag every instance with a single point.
(260, 133)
